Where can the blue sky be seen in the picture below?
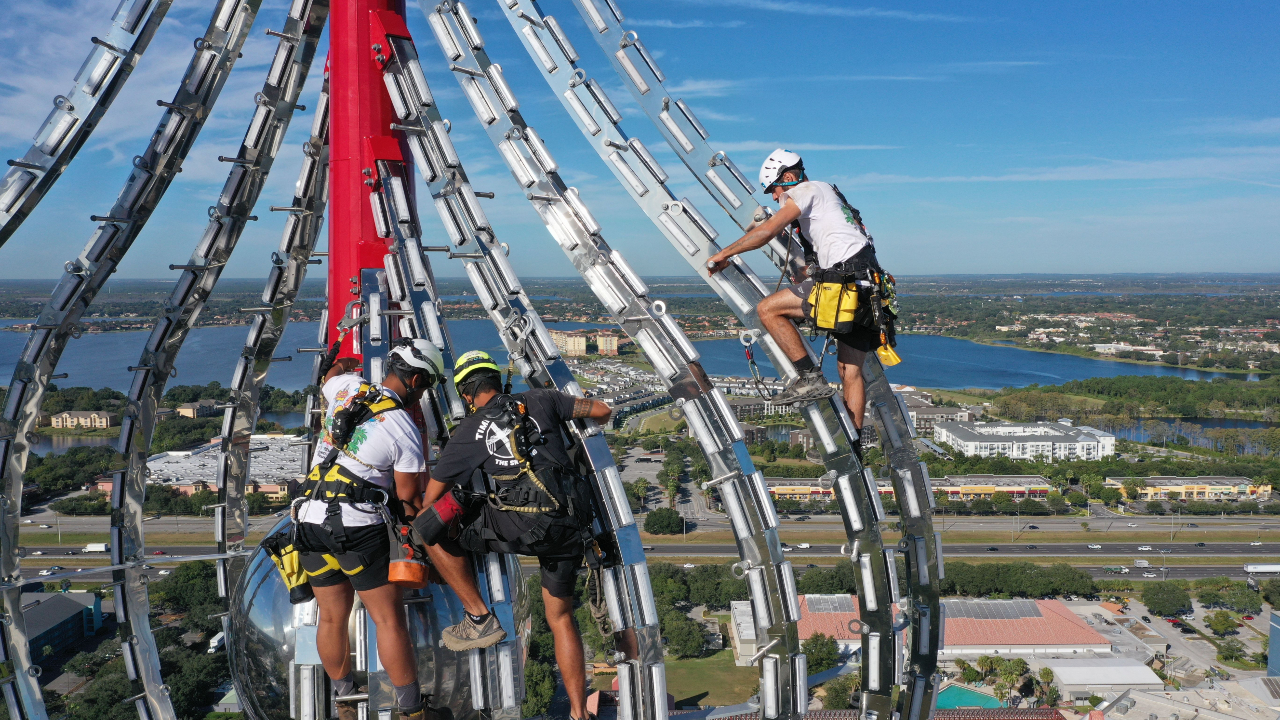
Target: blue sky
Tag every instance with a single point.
(975, 137)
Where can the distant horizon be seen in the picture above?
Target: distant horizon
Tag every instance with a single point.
(1258, 275)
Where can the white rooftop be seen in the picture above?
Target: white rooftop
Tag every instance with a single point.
(1103, 671)
(280, 462)
(743, 620)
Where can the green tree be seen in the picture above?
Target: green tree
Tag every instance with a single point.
(684, 637)
(1056, 502)
(539, 689)
(1165, 598)
(1109, 495)
(1231, 649)
(840, 690)
(1243, 600)
(1077, 499)
(664, 521)
(823, 652)
(1209, 597)
(1155, 507)
(1220, 623)
(1133, 487)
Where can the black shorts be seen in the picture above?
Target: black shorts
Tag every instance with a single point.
(560, 553)
(364, 562)
(863, 338)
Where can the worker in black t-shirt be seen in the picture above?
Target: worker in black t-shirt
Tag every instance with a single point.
(505, 483)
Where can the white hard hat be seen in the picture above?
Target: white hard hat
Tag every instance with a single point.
(414, 356)
(773, 166)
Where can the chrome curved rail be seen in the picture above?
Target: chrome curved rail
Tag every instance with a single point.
(76, 114)
(606, 271)
(628, 592)
(215, 55)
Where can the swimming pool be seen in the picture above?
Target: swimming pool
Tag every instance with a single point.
(959, 696)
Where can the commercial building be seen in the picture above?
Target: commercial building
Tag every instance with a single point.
(1201, 487)
(1026, 441)
(973, 487)
(1017, 627)
(1273, 659)
(742, 631)
(830, 615)
(1079, 678)
(957, 487)
(83, 418)
(827, 614)
(59, 620)
(190, 471)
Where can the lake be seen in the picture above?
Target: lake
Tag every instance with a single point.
(101, 359)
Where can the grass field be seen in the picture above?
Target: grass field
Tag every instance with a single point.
(712, 680)
(660, 422)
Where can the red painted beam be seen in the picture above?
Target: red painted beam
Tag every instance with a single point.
(360, 117)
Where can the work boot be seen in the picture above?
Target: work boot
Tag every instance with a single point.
(469, 635)
(810, 386)
(348, 710)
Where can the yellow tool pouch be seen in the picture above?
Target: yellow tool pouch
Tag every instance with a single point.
(288, 561)
(832, 306)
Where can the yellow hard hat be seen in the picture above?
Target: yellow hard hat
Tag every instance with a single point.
(473, 362)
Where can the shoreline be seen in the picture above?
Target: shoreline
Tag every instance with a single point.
(1101, 358)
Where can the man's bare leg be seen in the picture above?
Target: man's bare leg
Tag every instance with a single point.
(332, 639)
(394, 648)
(855, 393)
(776, 313)
(569, 654)
(452, 564)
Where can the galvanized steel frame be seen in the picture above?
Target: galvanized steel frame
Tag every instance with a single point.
(215, 55)
(580, 236)
(76, 114)
(599, 121)
(627, 587)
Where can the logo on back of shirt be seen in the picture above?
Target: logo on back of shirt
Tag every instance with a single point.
(495, 441)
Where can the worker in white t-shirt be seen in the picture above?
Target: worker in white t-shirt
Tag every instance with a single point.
(369, 463)
(839, 242)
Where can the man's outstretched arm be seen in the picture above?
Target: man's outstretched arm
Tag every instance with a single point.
(758, 237)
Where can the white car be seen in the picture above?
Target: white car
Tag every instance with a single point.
(1145, 548)
(46, 572)
(804, 546)
(689, 566)
(1148, 574)
(1095, 547)
(1133, 524)
(46, 527)
(787, 549)
(1255, 543)
(164, 572)
(38, 552)
(1189, 617)
(27, 522)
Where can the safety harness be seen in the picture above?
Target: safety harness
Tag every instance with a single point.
(855, 292)
(335, 483)
(546, 497)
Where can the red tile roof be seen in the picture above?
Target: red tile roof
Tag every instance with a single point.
(831, 624)
(1056, 626)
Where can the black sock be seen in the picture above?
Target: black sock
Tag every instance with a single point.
(477, 619)
(345, 686)
(804, 364)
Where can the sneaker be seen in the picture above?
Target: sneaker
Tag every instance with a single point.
(469, 635)
(811, 386)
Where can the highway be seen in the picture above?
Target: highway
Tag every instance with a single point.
(1019, 550)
